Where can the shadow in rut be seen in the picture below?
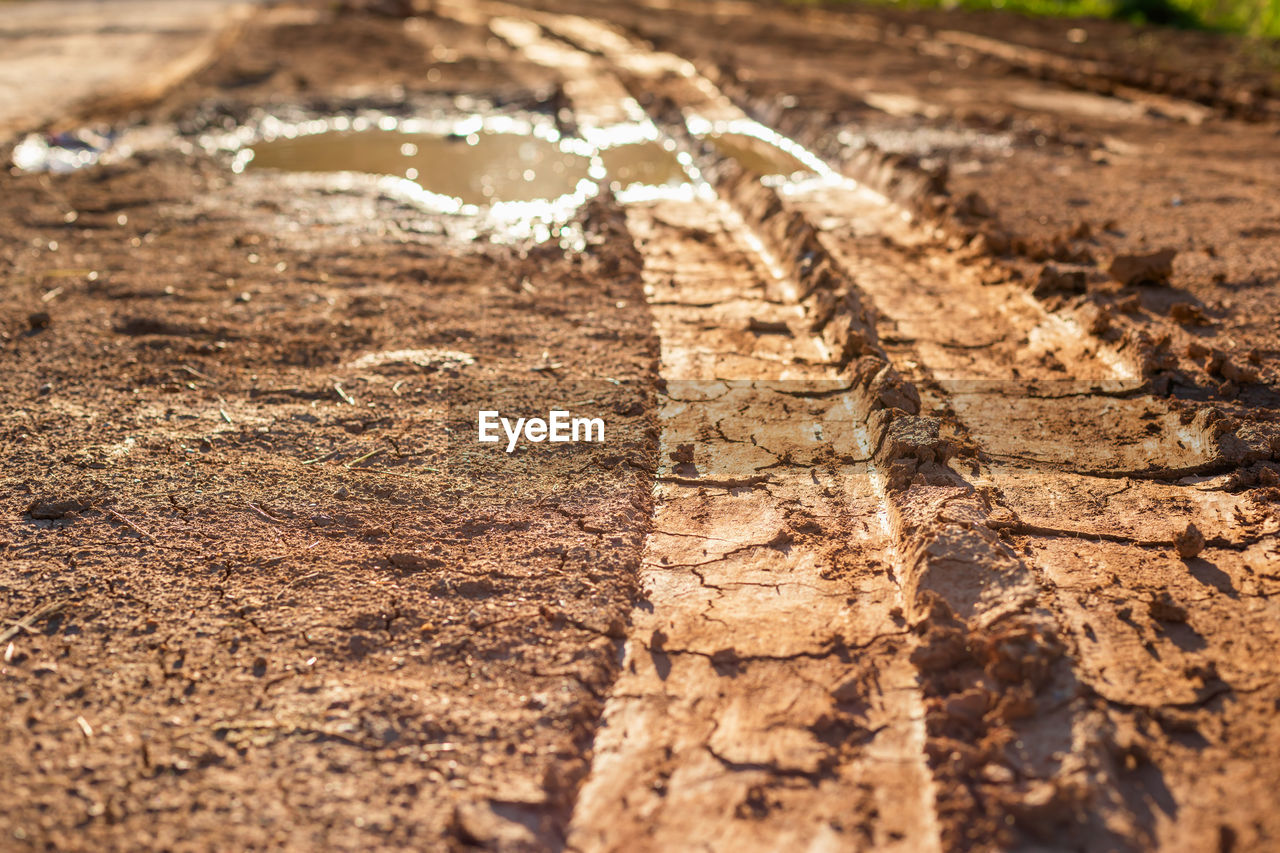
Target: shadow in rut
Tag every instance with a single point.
(661, 660)
(1210, 575)
(1185, 637)
(1146, 794)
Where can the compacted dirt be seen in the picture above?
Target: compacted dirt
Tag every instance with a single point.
(938, 502)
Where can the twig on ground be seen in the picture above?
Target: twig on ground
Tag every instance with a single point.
(26, 623)
(129, 524)
(263, 514)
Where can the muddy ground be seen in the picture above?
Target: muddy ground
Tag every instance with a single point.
(937, 509)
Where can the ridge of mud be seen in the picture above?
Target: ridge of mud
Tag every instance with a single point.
(1160, 350)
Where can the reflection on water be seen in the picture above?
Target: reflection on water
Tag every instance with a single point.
(512, 165)
(478, 168)
(645, 163)
(755, 154)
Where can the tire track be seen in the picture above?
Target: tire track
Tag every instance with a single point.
(766, 701)
(1017, 746)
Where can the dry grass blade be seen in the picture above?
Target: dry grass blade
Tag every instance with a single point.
(364, 458)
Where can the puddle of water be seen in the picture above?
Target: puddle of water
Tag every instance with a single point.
(476, 168)
(646, 163)
(755, 154)
(778, 159)
(509, 170)
(515, 175)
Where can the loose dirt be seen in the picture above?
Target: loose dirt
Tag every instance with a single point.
(938, 503)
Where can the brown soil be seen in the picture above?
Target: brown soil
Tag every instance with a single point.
(943, 518)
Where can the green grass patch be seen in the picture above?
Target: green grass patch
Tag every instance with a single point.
(1251, 17)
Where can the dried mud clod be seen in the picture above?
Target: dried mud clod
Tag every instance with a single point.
(881, 386)
(1054, 280)
(909, 444)
(1154, 268)
(1189, 542)
(982, 685)
(1262, 475)
(1188, 314)
(1222, 366)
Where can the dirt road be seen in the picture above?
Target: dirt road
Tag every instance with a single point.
(937, 502)
(61, 57)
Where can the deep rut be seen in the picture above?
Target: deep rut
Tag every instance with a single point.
(766, 700)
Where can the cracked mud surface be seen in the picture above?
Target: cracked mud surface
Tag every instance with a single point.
(938, 510)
